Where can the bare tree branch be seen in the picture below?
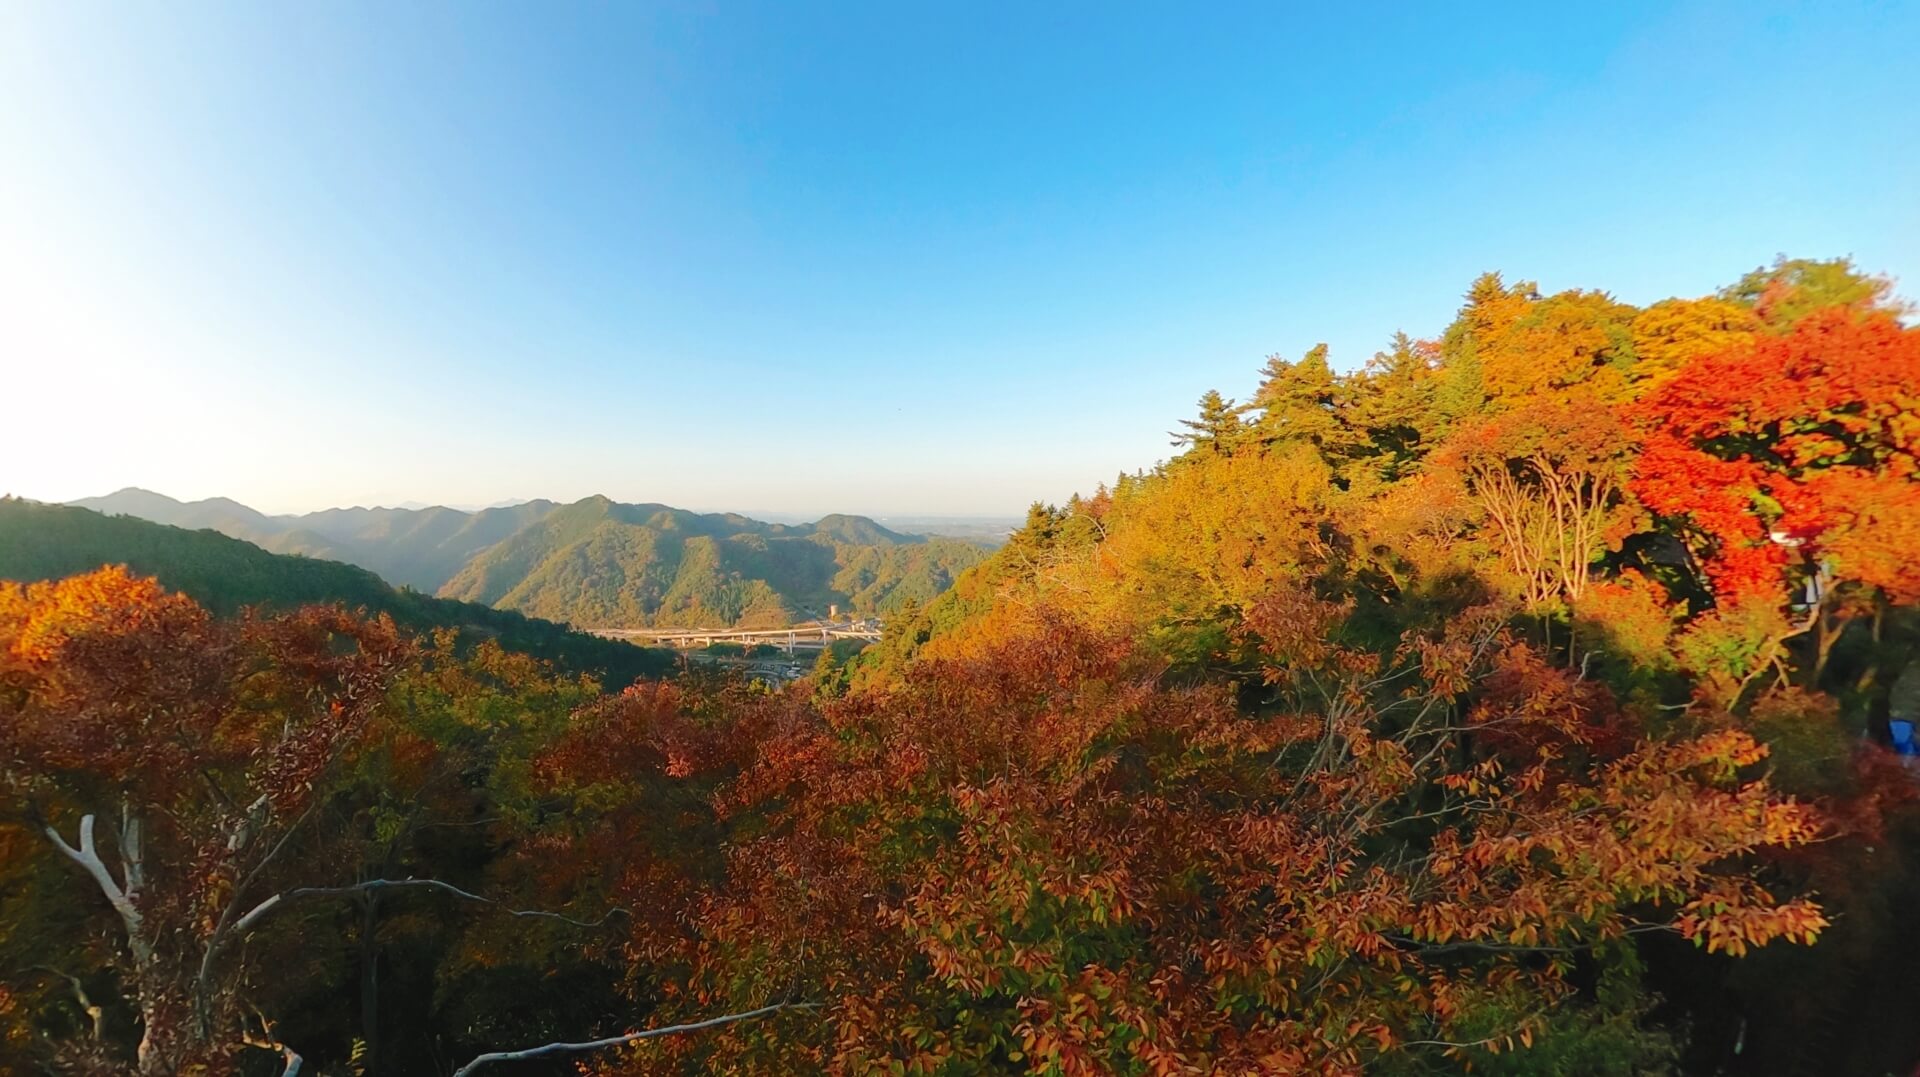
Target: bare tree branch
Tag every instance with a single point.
(97, 1015)
(372, 885)
(270, 1042)
(89, 858)
(132, 850)
(218, 939)
(631, 1037)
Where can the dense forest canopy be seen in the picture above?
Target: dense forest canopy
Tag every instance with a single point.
(1529, 699)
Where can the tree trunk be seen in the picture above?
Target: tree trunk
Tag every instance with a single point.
(370, 982)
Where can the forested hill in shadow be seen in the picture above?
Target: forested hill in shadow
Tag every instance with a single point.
(43, 542)
(417, 548)
(598, 562)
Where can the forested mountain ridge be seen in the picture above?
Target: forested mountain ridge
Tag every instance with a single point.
(220, 514)
(602, 563)
(417, 548)
(598, 562)
(1420, 465)
(47, 542)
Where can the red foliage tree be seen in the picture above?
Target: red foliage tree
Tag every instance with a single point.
(1812, 435)
(205, 741)
(1043, 858)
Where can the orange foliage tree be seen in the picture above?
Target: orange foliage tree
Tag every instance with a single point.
(1042, 858)
(205, 743)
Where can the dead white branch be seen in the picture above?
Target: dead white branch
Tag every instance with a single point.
(372, 885)
(88, 857)
(621, 1041)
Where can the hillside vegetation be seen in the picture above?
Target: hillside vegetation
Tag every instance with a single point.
(1697, 517)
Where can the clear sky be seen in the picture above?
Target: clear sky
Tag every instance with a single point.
(887, 258)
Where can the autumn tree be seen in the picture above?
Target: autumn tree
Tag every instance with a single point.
(1571, 342)
(1300, 401)
(260, 768)
(1808, 436)
(1672, 333)
(1392, 399)
(204, 744)
(441, 788)
(1550, 477)
(1791, 289)
(1492, 307)
(1042, 859)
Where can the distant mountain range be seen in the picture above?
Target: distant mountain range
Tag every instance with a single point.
(417, 548)
(598, 562)
(42, 542)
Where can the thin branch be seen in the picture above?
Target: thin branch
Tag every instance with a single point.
(217, 941)
(631, 1037)
(469, 822)
(133, 863)
(1418, 949)
(267, 1041)
(372, 885)
(97, 1015)
(1452, 1045)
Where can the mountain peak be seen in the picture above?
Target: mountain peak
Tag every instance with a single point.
(129, 501)
(856, 530)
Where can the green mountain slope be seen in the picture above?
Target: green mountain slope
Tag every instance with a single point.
(421, 548)
(39, 541)
(601, 563)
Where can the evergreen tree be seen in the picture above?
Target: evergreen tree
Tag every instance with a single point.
(1300, 401)
(1217, 430)
(1392, 400)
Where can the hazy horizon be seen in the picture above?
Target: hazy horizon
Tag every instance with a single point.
(415, 504)
(864, 259)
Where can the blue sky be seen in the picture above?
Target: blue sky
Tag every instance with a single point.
(888, 258)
